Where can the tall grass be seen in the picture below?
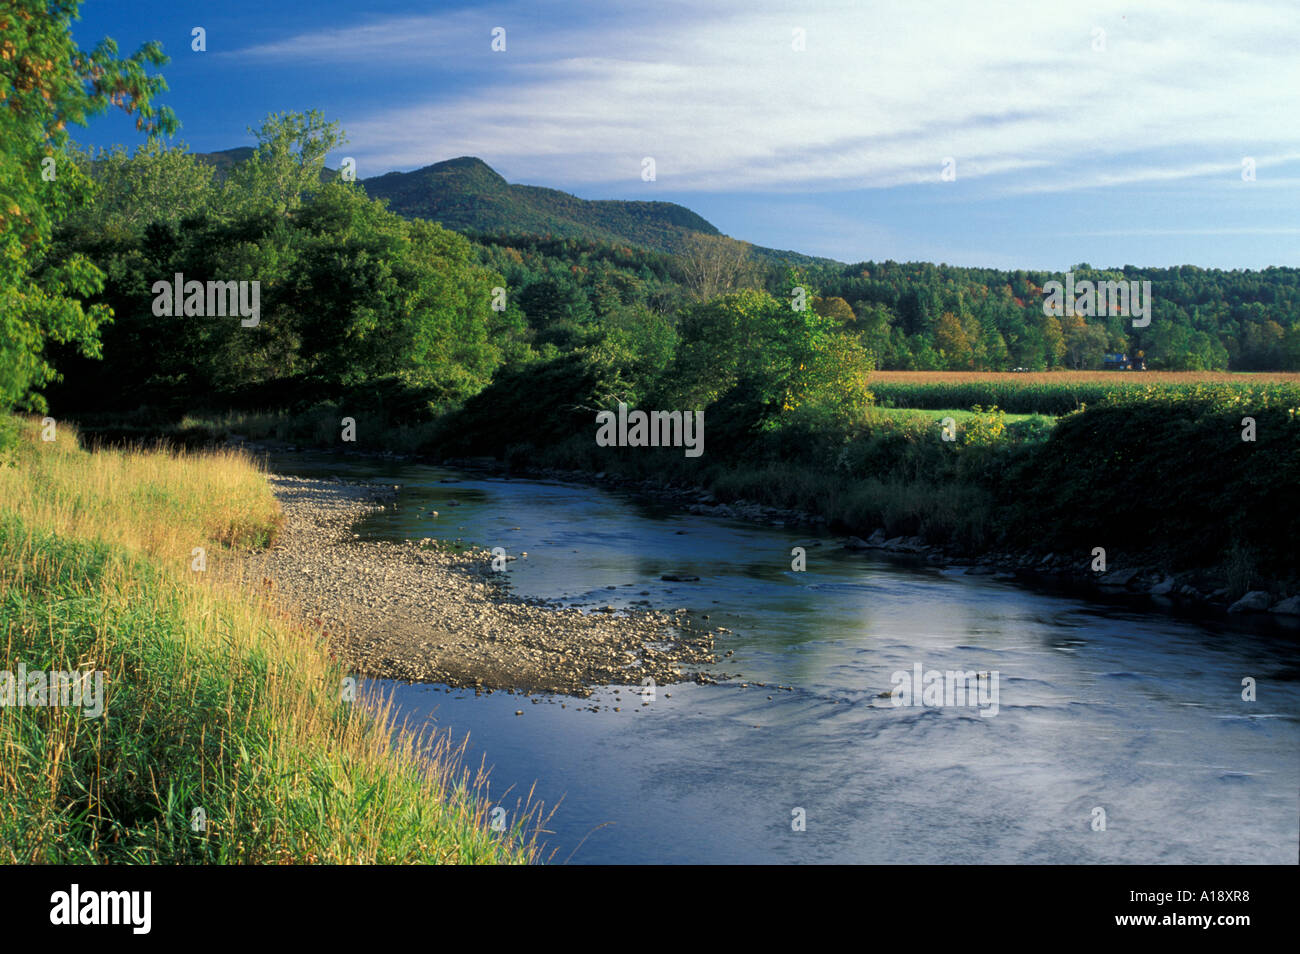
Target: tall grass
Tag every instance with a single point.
(215, 699)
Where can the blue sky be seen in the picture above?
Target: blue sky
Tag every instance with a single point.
(1107, 132)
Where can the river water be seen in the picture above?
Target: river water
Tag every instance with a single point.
(1118, 737)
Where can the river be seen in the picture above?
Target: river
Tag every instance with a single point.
(1118, 737)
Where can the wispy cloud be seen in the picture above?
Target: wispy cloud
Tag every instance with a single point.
(880, 96)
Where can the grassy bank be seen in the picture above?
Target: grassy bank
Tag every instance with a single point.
(1158, 477)
(1156, 471)
(213, 699)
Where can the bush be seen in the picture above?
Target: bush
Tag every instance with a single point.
(1166, 474)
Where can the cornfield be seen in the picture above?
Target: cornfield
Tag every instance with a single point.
(1060, 392)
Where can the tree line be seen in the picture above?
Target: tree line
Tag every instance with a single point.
(356, 297)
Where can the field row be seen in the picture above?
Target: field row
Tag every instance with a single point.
(1061, 392)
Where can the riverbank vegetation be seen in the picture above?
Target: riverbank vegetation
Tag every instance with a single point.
(225, 735)
(383, 332)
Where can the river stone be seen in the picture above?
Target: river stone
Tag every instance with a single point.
(1163, 588)
(1256, 601)
(1290, 607)
(1118, 578)
(419, 613)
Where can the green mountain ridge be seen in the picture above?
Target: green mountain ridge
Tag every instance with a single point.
(468, 195)
(225, 159)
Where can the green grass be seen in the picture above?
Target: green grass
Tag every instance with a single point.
(957, 414)
(213, 697)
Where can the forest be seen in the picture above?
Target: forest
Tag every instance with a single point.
(356, 294)
(507, 345)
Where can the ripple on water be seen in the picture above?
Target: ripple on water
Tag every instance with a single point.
(709, 773)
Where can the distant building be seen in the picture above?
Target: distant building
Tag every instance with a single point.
(1122, 362)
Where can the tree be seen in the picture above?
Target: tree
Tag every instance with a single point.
(156, 184)
(952, 342)
(835, 308)
(288, 165)
(350, 294)
(558, 312)
(1085, 344)
(875, 332)
(46, 82)
(714, 264)
(763, 359)
(1053, 342)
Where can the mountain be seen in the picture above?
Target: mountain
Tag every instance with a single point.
(226, 159)
(468, 195)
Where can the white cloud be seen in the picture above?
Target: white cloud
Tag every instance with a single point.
(882, 93)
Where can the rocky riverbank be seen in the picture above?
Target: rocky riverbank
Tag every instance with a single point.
(415, 611)
(1128, 575)
(1131, 576)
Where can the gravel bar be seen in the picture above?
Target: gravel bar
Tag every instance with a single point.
(418, 612)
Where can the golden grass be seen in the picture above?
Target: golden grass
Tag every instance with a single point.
(216, 697)
(158, 502)
(1083, 377)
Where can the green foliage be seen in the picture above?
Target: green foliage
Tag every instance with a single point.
(759, 365)
(350, 293)
(466, 193)
(540, 404)
(918, 316)
(286, 167)
(45, 83)
(983, 427)
(156, 184)
(1170, 473)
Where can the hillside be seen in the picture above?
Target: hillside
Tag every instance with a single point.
(466, 194)
(225, 159)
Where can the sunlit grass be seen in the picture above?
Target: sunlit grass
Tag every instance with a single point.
(957, 414)
(1062, 392)
(215, 699)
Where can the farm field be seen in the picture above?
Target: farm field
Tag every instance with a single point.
(1060, 392)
